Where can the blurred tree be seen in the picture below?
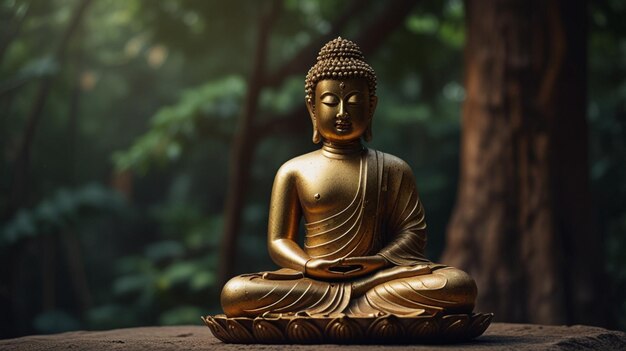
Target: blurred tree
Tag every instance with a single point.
(522, 222)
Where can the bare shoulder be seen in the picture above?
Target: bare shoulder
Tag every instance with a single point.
(292, 168)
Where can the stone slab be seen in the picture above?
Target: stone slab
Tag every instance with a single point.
(499, 336)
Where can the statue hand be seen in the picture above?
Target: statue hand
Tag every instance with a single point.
(368, 263)
(321, 268)
(344, 268)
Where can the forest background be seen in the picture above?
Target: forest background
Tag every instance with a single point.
(139, 140)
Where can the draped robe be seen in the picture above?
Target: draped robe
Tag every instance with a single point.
(385, 217)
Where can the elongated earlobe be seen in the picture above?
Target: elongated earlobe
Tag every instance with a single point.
(316, 134)
(309, 106)
(367, 136)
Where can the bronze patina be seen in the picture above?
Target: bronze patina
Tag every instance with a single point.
(361, 275)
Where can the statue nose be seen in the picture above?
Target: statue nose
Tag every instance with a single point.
(342, 114)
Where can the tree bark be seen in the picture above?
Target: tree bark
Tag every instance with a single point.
(521, 224)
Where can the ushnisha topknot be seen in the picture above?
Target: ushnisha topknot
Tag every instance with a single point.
(339, 59)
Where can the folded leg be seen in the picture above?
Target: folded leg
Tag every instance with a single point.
(447, 290)
(252, 295)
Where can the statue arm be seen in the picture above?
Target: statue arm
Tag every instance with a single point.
(406, 222)
(284, 218)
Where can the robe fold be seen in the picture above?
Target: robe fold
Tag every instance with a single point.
(385, 217)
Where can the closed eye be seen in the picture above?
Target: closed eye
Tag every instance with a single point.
(329, 99)
(354, 99)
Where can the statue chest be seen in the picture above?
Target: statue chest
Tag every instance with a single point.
(339, 216)
(329, 188)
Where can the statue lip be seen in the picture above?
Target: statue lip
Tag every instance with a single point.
(343, 126)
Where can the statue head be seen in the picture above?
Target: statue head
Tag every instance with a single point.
(341, 93)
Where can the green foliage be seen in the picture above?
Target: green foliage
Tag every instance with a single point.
(284, 99)
(169, 282)
(34, 69)
(447, 26)
(146, 282)
(205, 111)
(64, 208)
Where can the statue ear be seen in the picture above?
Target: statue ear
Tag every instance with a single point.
(309, 106)
(368, 132)
(316, 134)
(373, 104)
(367, 135)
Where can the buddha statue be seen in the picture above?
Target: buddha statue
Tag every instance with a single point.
(365, 228)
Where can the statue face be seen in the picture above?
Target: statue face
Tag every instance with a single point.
(341, 109)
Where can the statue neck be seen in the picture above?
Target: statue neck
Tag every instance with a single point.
(342, 150)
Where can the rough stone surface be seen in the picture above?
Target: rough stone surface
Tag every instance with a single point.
(499, 336)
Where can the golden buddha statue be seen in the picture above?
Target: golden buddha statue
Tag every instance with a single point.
(365, 230)
(363, 250)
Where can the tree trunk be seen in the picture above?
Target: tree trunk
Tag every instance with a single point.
(521, 224)
(242, 150)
